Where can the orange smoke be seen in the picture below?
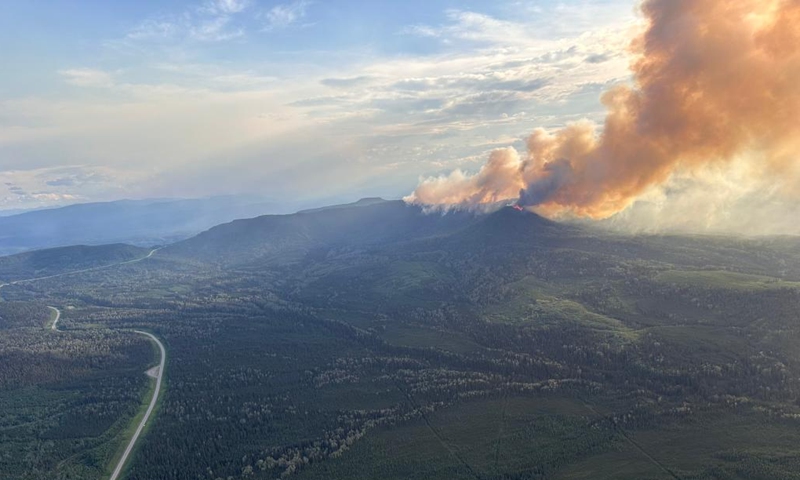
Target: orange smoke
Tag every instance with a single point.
(713, 80)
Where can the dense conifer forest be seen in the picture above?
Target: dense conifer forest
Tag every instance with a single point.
(375, 341)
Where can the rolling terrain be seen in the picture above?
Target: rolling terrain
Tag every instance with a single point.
(25, 267)
(138, 222)
(373, 340)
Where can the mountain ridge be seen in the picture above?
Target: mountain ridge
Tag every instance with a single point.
(360, 224)
(60, 260)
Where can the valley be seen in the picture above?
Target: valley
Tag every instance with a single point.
(588, 267)
(375, 341)
(156, 372)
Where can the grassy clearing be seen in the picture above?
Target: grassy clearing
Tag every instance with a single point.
(723, 280)
(410, 276)
(549, 308)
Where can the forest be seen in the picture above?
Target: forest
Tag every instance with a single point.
(378, 342)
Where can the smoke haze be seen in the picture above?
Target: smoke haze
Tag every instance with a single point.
(716, 87)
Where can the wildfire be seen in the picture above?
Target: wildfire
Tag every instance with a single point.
(713, 81)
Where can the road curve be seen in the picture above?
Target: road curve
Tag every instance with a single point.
(54, 326)
(143, 422)
(139, 428)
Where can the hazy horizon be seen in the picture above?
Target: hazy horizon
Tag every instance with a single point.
(324, 102)
(440, 240)
(299, 98)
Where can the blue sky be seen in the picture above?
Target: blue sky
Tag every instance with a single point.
(307, 99)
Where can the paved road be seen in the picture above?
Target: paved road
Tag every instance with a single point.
(73, 272)
(160, 374)
(149, 411)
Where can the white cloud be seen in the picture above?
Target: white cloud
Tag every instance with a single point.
(470, 89)
(215, 30)
(422, 31)
(212, 21)
(203, 128)
(226, 6)
(87, 77)
(154, 29)
(282, 16)
(472, 26)
(61, 185)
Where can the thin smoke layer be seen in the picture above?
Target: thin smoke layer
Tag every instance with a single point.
(713, 81)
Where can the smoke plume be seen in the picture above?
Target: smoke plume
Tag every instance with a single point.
(714, 81)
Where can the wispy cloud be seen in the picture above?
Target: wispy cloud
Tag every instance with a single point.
(154, 29)
(471, 26)
(225, 7)
(87, 77)
(285, 15)
(204, 124)
(53, 186)
(212, 21)
(216, 77)
(215, 30)
(346, 82)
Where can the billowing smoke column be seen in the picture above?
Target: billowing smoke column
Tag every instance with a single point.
(714, 80)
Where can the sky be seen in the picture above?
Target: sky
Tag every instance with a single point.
(303, 99)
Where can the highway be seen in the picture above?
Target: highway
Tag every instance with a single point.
(74, 272)
(143, 422)
(159, 375)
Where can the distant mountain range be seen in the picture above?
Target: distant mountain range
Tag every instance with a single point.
(394, 228)
(372, 226)
(379, 312)
(136, 222)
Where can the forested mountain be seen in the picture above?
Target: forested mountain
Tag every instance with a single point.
(375, 340)
(55, 261)
(280, 238)
(507, 232)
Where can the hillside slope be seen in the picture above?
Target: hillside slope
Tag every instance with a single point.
(283, 238)
(55, 261)
(506, 235)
